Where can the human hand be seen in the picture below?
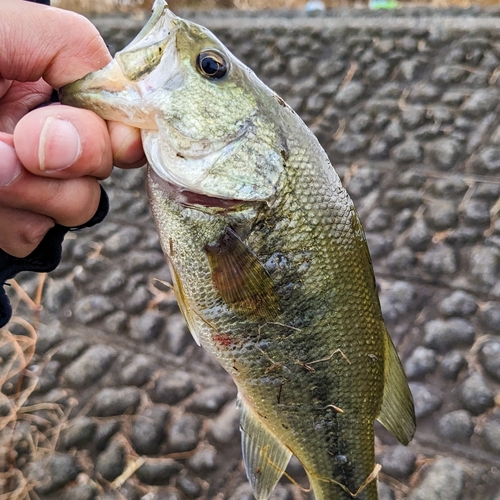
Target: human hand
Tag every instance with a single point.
(52, 157)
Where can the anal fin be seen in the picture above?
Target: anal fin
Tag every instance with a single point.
(397, 413)
(264, 456)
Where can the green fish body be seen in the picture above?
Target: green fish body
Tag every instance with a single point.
(269, 260)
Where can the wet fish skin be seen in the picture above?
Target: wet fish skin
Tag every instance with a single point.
(268, 257)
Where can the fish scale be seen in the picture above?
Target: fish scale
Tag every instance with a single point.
(268, 257)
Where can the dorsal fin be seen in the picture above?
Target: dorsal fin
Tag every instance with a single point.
(264, 456)
(397, 413)
(240, 278)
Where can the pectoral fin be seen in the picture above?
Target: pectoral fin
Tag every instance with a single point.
(397, 414)
(241, 279)
(264, 456)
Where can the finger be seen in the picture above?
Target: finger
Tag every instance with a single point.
(21, 231)
(63, 142)
(10, 166)
(69, 202)
(126, 145)
(4, 86)
(71, 48)
(19, 100)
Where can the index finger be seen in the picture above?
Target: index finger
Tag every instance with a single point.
(45, 42)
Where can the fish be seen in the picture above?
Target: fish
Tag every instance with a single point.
(268, 257)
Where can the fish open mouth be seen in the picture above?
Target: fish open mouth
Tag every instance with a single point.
(193, 199)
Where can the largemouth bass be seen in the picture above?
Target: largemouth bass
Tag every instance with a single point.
(268, 257)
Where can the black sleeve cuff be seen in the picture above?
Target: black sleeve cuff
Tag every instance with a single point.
(45, 258)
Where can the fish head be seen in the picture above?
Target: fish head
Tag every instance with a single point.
(207, 122)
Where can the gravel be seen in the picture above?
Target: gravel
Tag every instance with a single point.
(48, 336)
(138, 370)
(426, 399)
(459, 303)
(398, 462)
(421, 362)
(111, 462)
(147, 327)
(203, 460)
(69, 350)
(490, 358)
(442, 335)
(492, 435)
(158, 471)
(491, 317)
(112, 401)
(105, 432)
(443, 481)
(148, 430)
(210, 400)
(90, 366)
(184, 434)
(457, 426)
(420, 155)
(441, 259)
(475, 394)
(452, 364)
(91, 308)
(53, 472)
(227, 425)
(80, 431)
(173, 387)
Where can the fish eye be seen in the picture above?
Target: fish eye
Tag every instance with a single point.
(211, 64)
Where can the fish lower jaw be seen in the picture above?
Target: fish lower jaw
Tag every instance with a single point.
(189, 198)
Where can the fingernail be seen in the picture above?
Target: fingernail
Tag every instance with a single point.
(59, 146)
(10, 166)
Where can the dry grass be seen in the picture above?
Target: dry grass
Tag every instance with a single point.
(17, 383)
(105, 6)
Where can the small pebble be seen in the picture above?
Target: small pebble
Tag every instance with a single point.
(490, 358)
(158, 471)
(444, 480)
(148, 430)
(51, 473)
(203, 460)
(210, 400)
(138, 370)
(79, 431)
(184, 434)
(491, 434)
(112, 401)
(104, 433)
(456, 426)
(147, 327)
(476, 396)
(426, 401)
(398, 462)
(111, 462)
(443, 335)
(421, 362)
(173, 387)
(459, 303)
(452, 364)
(226, 426)
(90, 366)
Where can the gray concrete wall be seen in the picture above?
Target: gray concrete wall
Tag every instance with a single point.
(407, 107)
